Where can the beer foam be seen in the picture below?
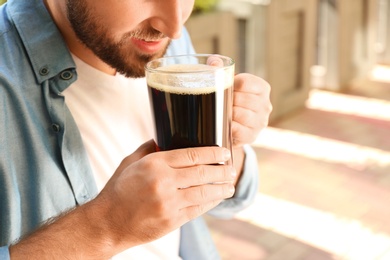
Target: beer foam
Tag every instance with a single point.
(179, 80)
(182, 68)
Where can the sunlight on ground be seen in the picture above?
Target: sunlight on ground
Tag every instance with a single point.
(324, 149)
(380, 73)
(350, 105)
(344, 238)
(329, 150)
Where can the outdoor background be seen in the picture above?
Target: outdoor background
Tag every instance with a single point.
(324, 160)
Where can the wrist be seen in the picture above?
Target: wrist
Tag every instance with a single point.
(76, 234)
(102, 224)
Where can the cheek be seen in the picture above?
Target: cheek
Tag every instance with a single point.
(120, 17)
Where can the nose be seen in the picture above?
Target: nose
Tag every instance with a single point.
(168, 18)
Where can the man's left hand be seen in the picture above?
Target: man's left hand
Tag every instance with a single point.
(251, 108)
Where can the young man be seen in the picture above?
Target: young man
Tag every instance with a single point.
(74, 109)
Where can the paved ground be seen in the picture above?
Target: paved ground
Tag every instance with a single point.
(325, 183)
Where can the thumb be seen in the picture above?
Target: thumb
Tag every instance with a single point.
(142, 151)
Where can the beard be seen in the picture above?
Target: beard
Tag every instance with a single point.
(120, 55)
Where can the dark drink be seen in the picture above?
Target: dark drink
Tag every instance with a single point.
(191, 99)
(191, 117)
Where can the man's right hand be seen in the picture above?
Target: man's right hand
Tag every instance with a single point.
(153, 193)
(150, 194)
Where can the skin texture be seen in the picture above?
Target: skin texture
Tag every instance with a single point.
(175, 183)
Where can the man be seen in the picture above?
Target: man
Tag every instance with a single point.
(64, 131)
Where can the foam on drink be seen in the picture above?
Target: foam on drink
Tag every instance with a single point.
(179, 79)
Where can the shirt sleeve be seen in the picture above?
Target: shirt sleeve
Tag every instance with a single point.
(4, 253)
(246, 188)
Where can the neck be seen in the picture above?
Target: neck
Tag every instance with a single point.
(57, 10)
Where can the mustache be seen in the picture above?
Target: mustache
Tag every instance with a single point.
(146, 34)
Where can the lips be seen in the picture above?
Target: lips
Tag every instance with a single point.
(148, 47)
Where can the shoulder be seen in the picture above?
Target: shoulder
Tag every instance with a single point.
(12, 52)
(8, 30)
(4, 20)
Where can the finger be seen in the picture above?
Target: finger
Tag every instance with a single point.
(242, 134)
(249, 83)
(248, 101)
(195, 211)
(204, 174)
(202, 194)
(196, 156)
(215, 61)
(248, 118)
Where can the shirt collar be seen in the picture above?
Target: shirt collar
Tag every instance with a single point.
(42, 40)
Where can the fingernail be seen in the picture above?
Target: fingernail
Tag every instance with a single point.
(226, 154)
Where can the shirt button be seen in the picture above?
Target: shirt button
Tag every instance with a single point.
(56, 128)
(66, 75)
(44, 71)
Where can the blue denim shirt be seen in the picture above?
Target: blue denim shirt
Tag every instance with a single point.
(44, 169)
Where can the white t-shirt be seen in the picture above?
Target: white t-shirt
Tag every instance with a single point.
(113, 115)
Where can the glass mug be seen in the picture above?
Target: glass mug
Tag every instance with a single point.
(191, 99)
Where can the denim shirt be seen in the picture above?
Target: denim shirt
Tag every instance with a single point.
(44, 169)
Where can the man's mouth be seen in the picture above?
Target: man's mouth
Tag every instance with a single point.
(149, 46)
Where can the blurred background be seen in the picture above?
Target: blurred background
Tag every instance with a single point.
(324, 160)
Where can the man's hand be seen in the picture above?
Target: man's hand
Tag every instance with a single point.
(152, 194)
(251, 108)
(251, 105)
